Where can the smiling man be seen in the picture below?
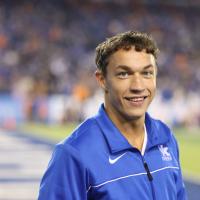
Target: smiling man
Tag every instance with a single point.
(129, 84)
(121, 153)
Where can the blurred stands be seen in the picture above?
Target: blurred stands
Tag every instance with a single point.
(47, 49)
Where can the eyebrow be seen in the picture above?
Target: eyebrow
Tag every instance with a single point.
(125, 67)
(148, 66)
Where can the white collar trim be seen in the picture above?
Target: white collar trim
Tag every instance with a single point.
(145, 141)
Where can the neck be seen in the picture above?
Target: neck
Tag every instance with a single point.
(132, 129)
(125, 123)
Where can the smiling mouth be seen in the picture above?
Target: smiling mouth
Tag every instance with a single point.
(136, 101)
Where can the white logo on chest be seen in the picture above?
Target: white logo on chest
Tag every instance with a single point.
(166, 156)
(112, 161)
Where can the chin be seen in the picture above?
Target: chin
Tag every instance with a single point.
(134, 116)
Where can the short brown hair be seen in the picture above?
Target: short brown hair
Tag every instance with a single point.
(125, 41)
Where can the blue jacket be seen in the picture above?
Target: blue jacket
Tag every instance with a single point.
(96, 162)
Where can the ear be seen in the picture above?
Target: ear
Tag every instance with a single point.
(101, 79)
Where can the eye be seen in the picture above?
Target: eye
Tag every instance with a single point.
(122, 75)
(148, 74)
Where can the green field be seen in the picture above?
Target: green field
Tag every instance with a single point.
(189, 144)
(188, 139)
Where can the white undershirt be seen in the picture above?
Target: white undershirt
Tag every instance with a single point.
(145, 141)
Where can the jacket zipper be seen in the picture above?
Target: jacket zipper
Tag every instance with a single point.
(150, 177)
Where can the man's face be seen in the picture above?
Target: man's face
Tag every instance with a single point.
(129, 84)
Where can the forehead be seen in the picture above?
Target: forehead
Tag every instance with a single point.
(131, 58)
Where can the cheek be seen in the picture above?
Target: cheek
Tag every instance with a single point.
(152, 83)
(153, 88)
(116, 89)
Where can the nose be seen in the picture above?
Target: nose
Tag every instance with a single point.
(137, 84)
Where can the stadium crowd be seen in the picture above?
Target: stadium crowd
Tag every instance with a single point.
(47, 48)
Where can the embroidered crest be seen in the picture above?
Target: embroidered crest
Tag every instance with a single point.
(166, 156)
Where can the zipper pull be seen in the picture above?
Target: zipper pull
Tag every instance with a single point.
(150, 177)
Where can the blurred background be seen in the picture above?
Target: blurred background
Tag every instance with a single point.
(47, 82)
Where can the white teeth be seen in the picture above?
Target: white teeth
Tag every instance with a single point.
(136, 99)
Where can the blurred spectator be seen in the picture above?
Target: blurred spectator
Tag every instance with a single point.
(45, 49)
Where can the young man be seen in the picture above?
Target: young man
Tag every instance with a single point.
(121, 153)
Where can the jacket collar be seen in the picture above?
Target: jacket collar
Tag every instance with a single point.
(157, 132)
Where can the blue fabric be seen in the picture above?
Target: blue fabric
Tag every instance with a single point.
(97, 163)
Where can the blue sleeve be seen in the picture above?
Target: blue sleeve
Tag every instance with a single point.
(181, 193)
(65, 178)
